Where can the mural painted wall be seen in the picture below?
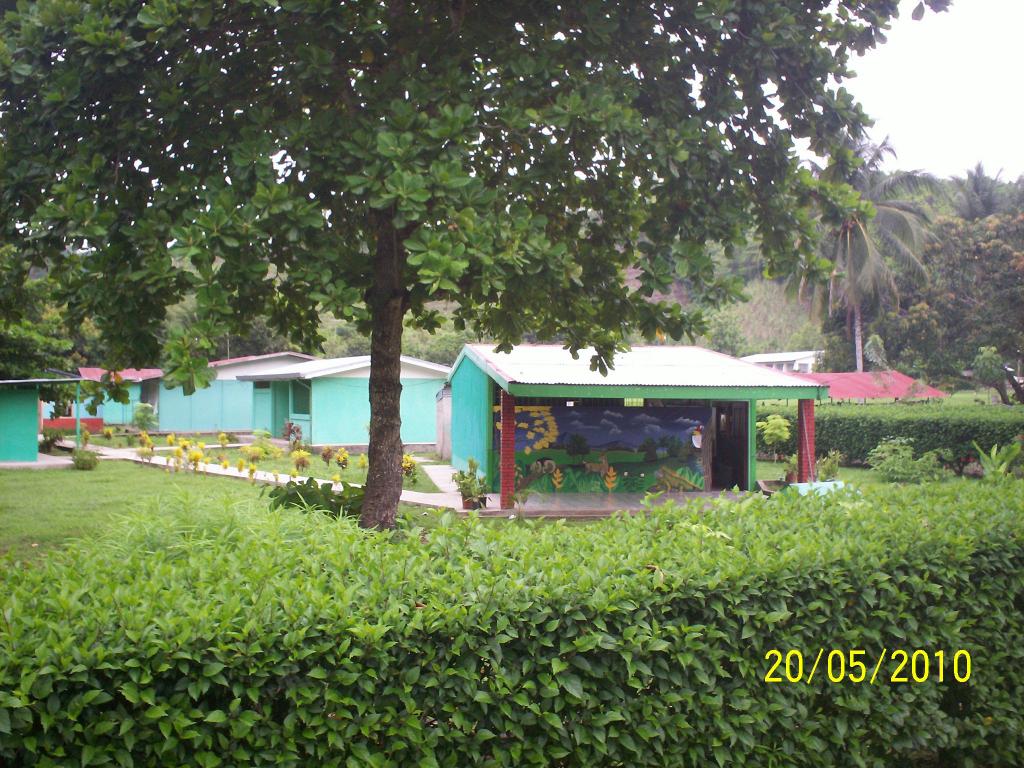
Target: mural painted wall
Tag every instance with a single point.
(592, 448)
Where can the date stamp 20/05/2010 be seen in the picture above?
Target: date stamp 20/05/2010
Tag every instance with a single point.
(856, 666)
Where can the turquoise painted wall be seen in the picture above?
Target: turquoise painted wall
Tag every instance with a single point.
(341, 410)
(263, 408)
(224, 405)
(19, 423)
(122, 413)
(472, 393)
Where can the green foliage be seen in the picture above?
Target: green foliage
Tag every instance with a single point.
(639, 641)
(538, 176)
(144, 418)
(775, 431)
(314, 496)
(827, 467)
(83, 459)
(894, 461)
(50, 439)
(470, 482)
(999, 461)
(855, 429)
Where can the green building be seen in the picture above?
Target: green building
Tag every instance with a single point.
(20, 417)
(666, 418)
(330, 399)
(229, 404)
(143, 386)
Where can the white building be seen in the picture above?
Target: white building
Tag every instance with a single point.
(791, 362)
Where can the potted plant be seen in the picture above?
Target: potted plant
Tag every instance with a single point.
(472, 486)
(791, 468)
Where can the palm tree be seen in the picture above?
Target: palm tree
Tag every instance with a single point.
(977, 194)
(862, 248)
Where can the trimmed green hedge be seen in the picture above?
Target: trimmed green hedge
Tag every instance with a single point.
(855, 429)
(297, 640)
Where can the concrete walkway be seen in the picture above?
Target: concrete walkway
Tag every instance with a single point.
(570, 506)
(44, 461)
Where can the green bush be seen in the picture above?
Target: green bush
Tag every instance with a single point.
(895, 462)
(144, 417)
(855, 429)
(299, 640)
(83, 459)
(50, 439)
(315, 496)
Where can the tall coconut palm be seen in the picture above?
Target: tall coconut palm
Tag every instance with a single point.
(864, 249)
(978, 195)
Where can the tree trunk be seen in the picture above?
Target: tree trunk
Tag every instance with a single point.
(858, 337)
(1018, 388)
(387, 305)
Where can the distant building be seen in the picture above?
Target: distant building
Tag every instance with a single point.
(790, 362)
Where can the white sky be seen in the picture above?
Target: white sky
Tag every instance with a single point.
(949, 90)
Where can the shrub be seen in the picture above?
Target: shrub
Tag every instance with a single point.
(409, 468)
(313, 495)
(341, 458)
(775, 431)
(144, 417)
(894, 461)
(856, 429)
(238, 639)
(83, 459)
(300, 459)
(827, 467)
(50, 439)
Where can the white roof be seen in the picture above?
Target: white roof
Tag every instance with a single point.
(665, 366)
(780, 357)
(314, 369)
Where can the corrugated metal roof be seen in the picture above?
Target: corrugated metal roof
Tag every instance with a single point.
(314, 369)
(127, 374)
(40, 381)
(874, 385)
(253, 358)
(665, 366)
(780, 357)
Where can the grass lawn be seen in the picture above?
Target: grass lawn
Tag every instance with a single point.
(317, 468)
(41, 509)
(862, 477)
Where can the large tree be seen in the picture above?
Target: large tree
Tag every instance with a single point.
(513, 159)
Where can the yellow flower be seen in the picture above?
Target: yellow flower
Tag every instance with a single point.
(335, 478)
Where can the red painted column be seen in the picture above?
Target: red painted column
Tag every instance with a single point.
(507, 450)
(805, 441)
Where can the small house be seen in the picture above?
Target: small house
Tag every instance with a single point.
(227, 404)
(665, 418)
(143, 386)
(330, 399)
(20, 417)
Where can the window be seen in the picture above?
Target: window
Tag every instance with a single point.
(300, 398)
(261, 385)
(633, 402)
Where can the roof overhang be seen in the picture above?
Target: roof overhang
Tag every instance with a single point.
(800, 389)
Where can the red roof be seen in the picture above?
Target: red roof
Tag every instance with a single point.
(127, 374)
(250, 358)
(873, 385)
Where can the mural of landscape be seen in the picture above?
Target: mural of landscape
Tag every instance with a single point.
(594, 448)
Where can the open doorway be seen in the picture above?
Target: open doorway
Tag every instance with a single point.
(729, 455)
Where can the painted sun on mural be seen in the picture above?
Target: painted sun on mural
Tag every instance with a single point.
(593, 448)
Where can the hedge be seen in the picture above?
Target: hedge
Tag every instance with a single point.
(854, 429)
(296, 640)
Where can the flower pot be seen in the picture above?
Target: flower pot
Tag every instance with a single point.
(472, 504)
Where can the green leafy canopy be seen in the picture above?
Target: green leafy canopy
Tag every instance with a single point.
(522, 158)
